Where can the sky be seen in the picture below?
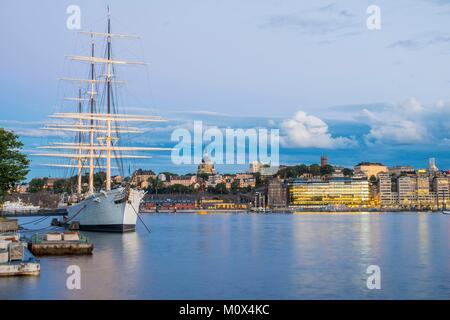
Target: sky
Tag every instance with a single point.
(311, 69)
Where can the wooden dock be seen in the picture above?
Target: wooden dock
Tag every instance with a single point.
(57, 244)
(15, 259)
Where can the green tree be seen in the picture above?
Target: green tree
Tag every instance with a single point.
(326, 170)
(347, 172)
(37, 184)
(13, 163)
(314, 169)
(203, 176)
(179, 188)
(220, 188)
(235, 186)
(62, 185)
(99, 180)
(155, 186)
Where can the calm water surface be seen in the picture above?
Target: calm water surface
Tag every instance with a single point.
(254, 256)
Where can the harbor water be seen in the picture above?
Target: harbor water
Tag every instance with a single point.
(254, 256)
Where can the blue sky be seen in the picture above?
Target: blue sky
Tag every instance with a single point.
(309, 68)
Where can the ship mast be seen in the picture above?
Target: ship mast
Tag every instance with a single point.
(108, 121)
(95, 122)
(91, 131)
(79, 160)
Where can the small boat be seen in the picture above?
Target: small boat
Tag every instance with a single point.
(445, 212)
(202, 212)
(19, 207)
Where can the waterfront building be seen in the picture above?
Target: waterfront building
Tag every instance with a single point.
(141, 177)
(385, 193)
(414, 189)
(276, 193)
(369, 169)
(398, 170)
(214, 180)
(206, 166)
(349, 192)
(186, 181)
(406, 190)
(338, 172)
(423, 189)
(245, 180)
(441, 189)
(169, 204)
(220, 204)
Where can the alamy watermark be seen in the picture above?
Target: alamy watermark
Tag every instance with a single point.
(226, 146)
(73, 281)
(73, 21)
(374, 280)
(373, 22)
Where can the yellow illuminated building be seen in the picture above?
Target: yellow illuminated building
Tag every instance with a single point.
(219, 204)
(333, 192)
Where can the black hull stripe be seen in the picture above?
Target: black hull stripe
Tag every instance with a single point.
(119, 228)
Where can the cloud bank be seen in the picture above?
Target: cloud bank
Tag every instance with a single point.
(308, 131)
(408, 123)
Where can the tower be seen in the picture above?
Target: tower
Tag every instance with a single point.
(323, 161)
(432, 165)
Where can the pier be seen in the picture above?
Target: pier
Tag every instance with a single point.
(56, 244)
(15, 259)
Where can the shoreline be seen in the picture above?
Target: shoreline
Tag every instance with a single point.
(58, 213)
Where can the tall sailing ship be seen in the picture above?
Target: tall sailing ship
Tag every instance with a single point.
(98, 125)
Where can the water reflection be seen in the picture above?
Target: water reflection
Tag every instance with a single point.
(255, 256)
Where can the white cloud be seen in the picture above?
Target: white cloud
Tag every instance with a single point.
(307, 131)
(405, 123)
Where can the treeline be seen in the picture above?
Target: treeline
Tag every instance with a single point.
(68, 185)
(158, 187)
(314, 170)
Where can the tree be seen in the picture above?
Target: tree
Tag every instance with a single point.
(326, 170)
(99, 180)
(203, 176)
(220, 188)
(235, 186)
(37, 184)
(13, 163)
(258, 179)
(314, 169)
(347, 172)
(155, 186)
(62, 185)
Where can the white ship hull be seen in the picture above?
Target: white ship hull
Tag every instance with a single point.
(108, 211)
